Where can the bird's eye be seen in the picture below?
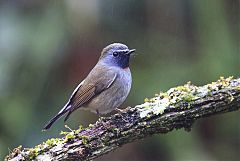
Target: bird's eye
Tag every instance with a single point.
(115, 54)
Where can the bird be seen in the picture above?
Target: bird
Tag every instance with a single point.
(105, 88)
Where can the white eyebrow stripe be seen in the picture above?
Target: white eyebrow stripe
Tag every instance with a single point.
(125, 50)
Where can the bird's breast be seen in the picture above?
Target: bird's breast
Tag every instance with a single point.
(115, 95)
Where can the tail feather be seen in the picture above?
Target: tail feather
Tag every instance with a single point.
(69, 113)
(55, 118)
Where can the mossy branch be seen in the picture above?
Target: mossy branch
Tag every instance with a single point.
(177, 108)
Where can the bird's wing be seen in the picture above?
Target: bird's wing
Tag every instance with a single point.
(89, 90)
(86, 90)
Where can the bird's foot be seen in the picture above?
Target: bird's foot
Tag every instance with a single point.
(119, 110)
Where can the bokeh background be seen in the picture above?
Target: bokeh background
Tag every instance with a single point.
(48, 47)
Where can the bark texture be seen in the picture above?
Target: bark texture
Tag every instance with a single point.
(177, 108)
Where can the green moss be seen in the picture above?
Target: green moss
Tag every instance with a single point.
(184, 94)
(189, 97)
(221, 83)
(33, 153)
(237, 88)
(80, 128)
(115, 129)
(64, 133)
(146, 100)
(85, 139)
(52, 142)
(124, 133)
(72, 134)
(182, 88)
(69, 136)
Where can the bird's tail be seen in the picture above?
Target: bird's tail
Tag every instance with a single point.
(56, 117)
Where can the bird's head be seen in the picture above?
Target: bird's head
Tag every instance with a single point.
(116, 54)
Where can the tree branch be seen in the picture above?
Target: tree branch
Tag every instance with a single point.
(177, 108)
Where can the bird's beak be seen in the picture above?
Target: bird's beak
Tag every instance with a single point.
(131, 51)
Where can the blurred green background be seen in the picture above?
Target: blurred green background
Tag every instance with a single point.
(48, 47)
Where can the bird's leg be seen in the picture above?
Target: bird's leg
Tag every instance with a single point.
(98, 113)
(119, 110)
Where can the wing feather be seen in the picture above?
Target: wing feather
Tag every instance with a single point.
(87, 92)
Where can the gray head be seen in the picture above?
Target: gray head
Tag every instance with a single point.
(116, 54)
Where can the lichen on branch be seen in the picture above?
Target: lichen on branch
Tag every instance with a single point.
(177, 108)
